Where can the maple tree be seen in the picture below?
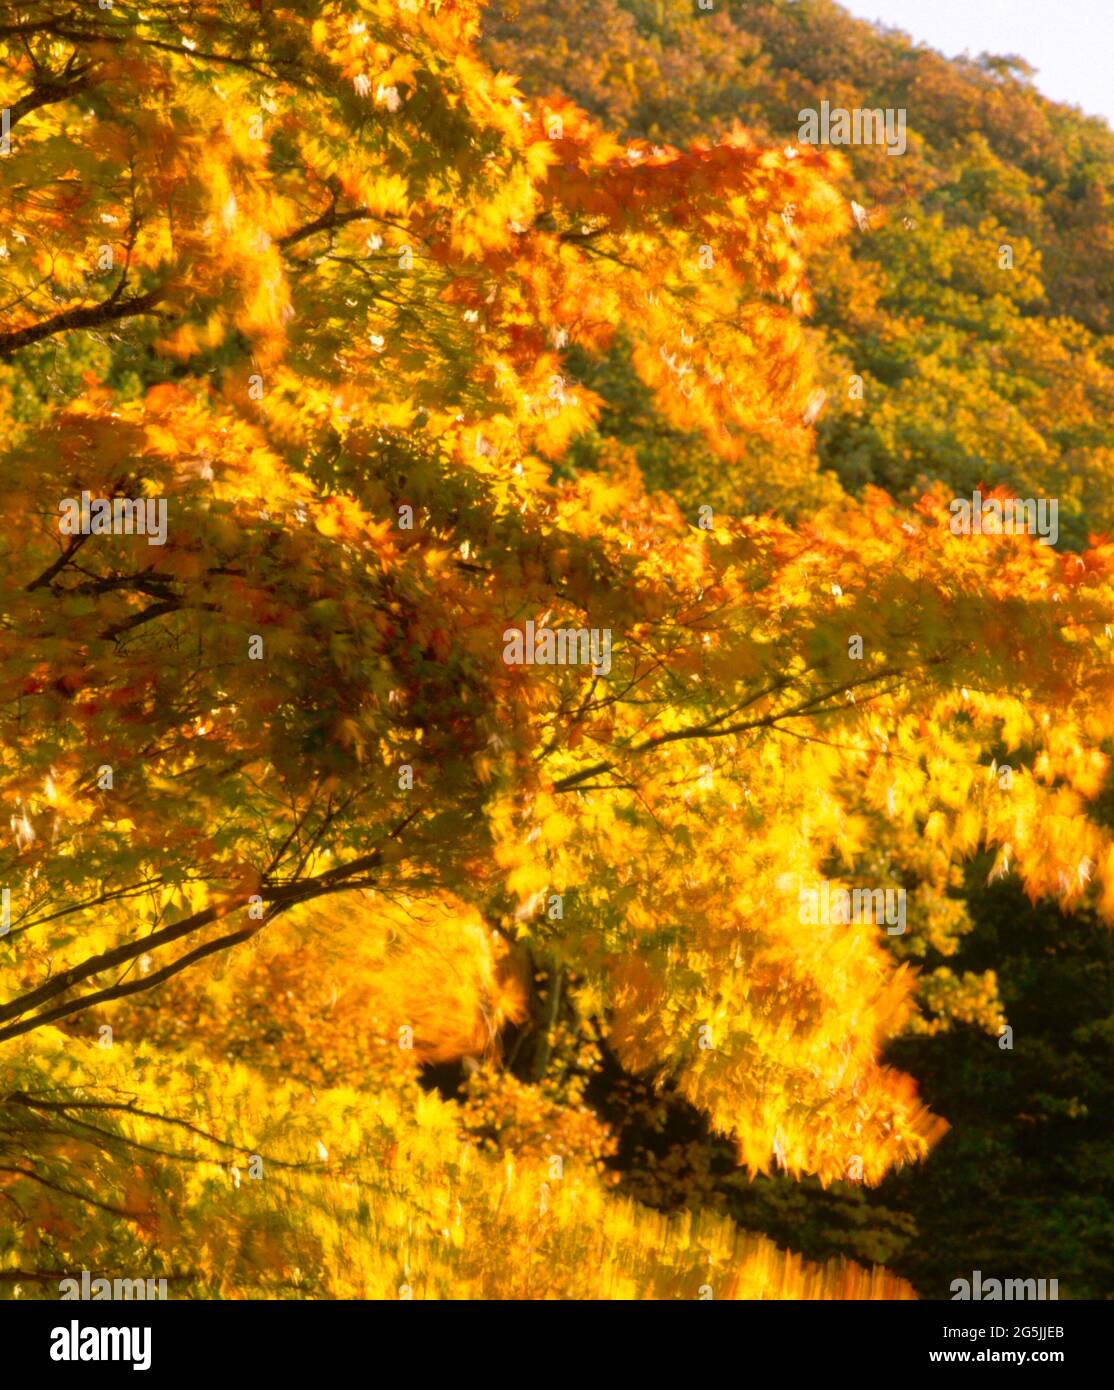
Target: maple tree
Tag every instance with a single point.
(315, 276)
(936, 361)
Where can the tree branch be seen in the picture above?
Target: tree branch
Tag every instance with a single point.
(715, 728)
(47, 92)
(75, 544)
(280, 896)
(84, 316)
(326, 222)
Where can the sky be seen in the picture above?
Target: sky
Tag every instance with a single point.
(1070, 42)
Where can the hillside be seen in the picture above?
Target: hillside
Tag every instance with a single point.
(970, 373)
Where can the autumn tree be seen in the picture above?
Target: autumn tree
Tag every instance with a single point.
(310, 278)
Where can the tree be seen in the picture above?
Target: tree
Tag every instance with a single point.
(327, 370)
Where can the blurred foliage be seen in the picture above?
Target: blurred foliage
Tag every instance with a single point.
(382, 965)
(971, 375)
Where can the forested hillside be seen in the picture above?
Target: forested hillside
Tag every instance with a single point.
(970, 373)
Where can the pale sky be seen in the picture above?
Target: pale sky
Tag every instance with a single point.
(1069, 42)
